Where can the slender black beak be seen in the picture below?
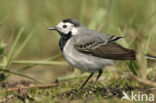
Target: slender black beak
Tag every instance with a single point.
(53, 28)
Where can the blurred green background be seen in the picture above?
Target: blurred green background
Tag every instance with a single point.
(133, 19)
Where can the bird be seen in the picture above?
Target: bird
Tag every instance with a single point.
(89, 50)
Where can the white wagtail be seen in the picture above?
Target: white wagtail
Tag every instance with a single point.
(89, 50)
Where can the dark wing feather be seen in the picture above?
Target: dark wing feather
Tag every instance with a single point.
(111, 50)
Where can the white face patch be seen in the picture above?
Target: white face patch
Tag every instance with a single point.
(66, 28)
(74, 31)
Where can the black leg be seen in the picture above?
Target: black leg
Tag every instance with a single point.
(86, 80)
(100, 72)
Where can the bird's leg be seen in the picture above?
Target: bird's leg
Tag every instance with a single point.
(100, 72)
(86, 80)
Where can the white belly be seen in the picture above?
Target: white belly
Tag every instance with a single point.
(83, 61)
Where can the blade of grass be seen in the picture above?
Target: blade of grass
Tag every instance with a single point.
(13, 48)
(53, 57)
(20, 48)
(142, 63)
(58, 63)
(43, 86)
(32, 65)
(23, 44)
(19, 74)
(148, 40)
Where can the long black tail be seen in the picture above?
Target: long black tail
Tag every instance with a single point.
(151, 57)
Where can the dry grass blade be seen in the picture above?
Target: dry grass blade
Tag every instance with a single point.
(142, 63)
(31, 87)
(144, 81)
(19, 74)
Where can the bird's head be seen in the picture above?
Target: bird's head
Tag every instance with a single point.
(67, 26)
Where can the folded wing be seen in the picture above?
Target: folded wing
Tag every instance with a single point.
(105, 49)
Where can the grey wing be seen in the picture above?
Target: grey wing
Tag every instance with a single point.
(92, 39)
(104, 47)
(88, 42)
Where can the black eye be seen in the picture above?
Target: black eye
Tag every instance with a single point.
(64, 26)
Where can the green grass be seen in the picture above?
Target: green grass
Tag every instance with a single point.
(68, 92)
(22, 50)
